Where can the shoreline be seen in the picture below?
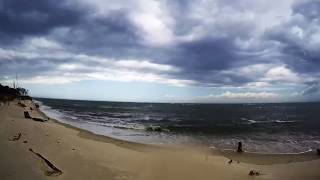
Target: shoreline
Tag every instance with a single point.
(81, 154)
(83, 133)
(171, 124)
(257, 158)
(308, 155)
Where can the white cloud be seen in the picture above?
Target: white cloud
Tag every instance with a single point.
(48, 80)
(247, 95)
(41, 42)
(258, 85)
(108, 74)
(282, 74)
(141, 65)
(105, 63)
(153, 20)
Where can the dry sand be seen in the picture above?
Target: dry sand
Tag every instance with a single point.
(83, 155)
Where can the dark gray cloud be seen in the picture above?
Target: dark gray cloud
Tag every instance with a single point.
(111, 35)
(207, 54)
(19, 18)
(203, 60)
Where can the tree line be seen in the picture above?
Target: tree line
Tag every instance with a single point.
(7, 93)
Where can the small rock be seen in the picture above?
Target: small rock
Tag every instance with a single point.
(27, 115)
(25, 141)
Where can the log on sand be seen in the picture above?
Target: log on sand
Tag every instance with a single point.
(54, 171)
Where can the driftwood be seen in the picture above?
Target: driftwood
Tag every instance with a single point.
(38, 119)
(54, 170)
(21, 104)
(16, 137)
(27, 115)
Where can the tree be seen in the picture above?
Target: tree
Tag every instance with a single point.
(22, 91)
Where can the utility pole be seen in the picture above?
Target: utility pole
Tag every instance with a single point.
(17, 83)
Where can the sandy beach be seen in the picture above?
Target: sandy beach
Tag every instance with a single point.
(50, 150)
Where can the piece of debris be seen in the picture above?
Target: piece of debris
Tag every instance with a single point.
(31, 108)
(238, 162)
(73, 149)
(37, 105)
(54, 171)
(318, 152)
(38, 119)
(26, 115)
(254, 173)
(230, 161)
(25, 142)
(22, 105)
(16, 137)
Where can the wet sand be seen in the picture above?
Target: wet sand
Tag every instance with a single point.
(80, 154)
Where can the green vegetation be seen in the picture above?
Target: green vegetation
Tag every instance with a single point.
(7, 93)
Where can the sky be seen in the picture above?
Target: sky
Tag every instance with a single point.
(207, 51)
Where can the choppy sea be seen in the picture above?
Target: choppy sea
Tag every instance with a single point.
(267, 128)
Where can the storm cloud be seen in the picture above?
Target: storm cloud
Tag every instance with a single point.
(254, 45)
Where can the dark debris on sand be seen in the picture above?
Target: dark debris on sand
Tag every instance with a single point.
(54, 171)
(16, 137)
(254, 173)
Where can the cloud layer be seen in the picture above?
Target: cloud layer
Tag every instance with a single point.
(261, 46)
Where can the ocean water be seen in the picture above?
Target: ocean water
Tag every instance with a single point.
(266, 128)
